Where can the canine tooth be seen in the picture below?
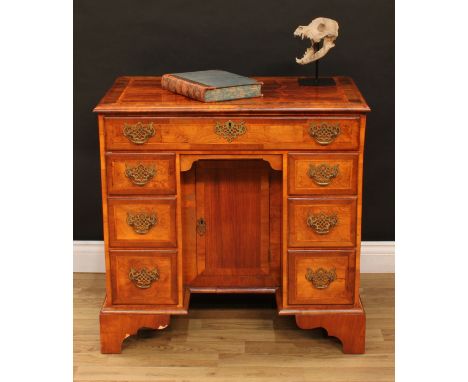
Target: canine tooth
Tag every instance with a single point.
(319, 29)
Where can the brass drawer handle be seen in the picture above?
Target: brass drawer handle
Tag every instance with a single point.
(230, 130)
(322, 223)
(141, 222)
(321, 278)
(138, 133)
(323, 174)
(201, 226)
(324, 134)
(140, 175)
(143, 278)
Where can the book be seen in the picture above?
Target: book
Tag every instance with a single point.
(212, 85)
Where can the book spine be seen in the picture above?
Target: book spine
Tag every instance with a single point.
(185, 88)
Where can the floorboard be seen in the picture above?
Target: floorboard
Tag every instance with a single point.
(225, 338)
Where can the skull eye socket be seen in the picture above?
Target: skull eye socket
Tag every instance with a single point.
(321, 27)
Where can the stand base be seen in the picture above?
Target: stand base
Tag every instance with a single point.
(312, 81)
(348, 326)
(116, 326)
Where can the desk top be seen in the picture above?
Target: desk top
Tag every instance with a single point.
(280, 94)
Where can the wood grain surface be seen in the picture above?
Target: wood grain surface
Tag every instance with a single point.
(144, 94)
(233, 198)
(162, 182)
(229, 342)
(193, 133)
(344, 182)
(339, 291)
(162, 234)
(161, 291)
(341, 235)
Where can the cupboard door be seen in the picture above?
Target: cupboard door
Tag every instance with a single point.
(233, 224)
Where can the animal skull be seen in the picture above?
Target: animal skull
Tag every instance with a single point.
(320, 28)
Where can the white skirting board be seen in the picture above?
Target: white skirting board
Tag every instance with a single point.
(376, 256)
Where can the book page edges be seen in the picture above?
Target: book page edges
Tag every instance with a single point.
(233, 92)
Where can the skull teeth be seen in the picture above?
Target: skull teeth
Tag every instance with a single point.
(321, 28)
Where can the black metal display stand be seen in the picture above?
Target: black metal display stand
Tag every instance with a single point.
(316, 81)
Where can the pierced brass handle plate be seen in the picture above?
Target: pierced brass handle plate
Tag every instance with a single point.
(201, 226)
(141, 222)
(230, 130)
(140, 175)
(321, 278)
(321, 223)
(323, 174)
(324, 134)
(144, 277)
(138, 133)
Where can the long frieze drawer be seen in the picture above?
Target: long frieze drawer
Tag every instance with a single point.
(317, 222)
(143, 277)
(321, 277)
(148, 222)
(140, 173)
(320, 133)
(323, 173)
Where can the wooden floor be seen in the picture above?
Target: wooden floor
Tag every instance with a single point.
(228, 341)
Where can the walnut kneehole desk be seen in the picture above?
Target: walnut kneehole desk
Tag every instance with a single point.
(258, 195)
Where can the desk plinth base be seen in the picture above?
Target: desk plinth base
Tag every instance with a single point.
(348, 326)
(117, 326)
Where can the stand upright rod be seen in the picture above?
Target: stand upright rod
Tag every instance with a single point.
(316, 80)
(316, 71)
(316, 49)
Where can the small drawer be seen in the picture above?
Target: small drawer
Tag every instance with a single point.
(318, 133)
(323, 173)
(142, 222)
(140, 173)
(320, 222)
(321, 277)
(143, 277)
